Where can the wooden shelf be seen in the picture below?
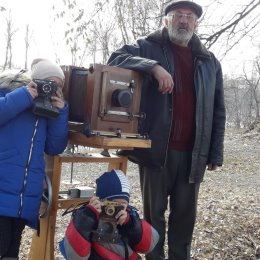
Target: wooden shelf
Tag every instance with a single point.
(42, 247)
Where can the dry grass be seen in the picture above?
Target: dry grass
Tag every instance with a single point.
(228, 221)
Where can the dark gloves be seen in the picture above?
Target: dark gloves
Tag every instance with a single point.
(132, 230)
(85, 220)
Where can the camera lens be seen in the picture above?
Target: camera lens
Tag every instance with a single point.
(122, 98)
(46, 88)
(110, 210)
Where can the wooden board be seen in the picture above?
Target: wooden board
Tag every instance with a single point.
(108, 142)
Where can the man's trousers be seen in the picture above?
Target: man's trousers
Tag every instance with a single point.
(170, 183)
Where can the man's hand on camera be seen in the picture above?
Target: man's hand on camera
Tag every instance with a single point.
(32, 89)
(164, 79)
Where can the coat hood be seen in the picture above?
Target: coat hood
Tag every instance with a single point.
(161, 36)
(13, 79)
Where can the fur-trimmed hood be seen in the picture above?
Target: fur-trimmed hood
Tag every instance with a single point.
(12, 79)
(198, 49)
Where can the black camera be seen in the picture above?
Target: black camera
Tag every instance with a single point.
(107, 225)
(42, 104)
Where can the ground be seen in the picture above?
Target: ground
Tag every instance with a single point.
(228, 220)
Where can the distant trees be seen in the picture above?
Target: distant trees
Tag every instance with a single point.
(126, 20)
(10, 33)
(243, 97)
(253, 84)
(93, 29)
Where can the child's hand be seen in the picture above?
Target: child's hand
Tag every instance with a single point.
(95, 203)
(58, 101)
(32, 89)
(121, 217)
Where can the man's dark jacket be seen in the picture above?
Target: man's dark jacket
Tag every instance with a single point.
(156, 48)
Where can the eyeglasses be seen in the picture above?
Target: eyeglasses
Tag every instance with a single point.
(179, 16)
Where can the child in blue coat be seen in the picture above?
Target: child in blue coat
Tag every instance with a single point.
(81, 241)
(24, 138)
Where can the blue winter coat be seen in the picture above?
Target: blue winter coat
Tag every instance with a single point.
(24, 138)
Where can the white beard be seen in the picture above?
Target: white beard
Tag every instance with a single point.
(181, 35)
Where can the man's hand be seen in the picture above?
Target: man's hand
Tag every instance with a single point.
(164, 79)
(212, 167)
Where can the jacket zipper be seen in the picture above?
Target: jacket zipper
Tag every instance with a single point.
(27, 168)
(169, 70)
(196, 66)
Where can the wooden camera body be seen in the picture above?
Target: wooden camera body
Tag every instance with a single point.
(103, 100)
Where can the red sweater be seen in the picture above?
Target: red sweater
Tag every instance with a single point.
(183, 126)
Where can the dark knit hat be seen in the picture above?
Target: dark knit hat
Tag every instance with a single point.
(183, 4)
(43, 69)
(113, 185)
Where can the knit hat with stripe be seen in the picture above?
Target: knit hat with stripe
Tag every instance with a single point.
(113, 185)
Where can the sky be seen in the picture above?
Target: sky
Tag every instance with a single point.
(38, 13)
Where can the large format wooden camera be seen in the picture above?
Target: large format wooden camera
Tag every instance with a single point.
(103, 100)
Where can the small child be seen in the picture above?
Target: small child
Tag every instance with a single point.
(137, 236)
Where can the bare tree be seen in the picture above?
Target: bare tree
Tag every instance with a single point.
(253, 84)
(229, 29)
(233, 102)
(136, 18)
(79, 24)
(10, 32)
(103, 34)
(27, 45)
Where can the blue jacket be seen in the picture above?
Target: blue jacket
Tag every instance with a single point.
(154, 49)
(24, 138)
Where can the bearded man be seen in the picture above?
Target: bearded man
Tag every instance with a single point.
(183, 99)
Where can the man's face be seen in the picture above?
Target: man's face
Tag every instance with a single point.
(181, 24)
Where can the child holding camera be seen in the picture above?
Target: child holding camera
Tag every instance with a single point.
(24, 138)
(83, 240)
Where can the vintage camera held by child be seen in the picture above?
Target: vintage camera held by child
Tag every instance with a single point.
(42, 104)
(107, 226)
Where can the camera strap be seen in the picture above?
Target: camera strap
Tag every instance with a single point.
(74, 207)
(126, 249)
